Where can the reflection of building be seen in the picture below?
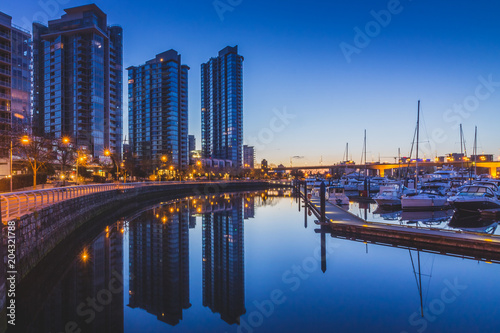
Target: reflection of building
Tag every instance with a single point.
(98, 270)
(222, 107)
(159, 263)
(223, 259)
(248, 157)
(158, 109)
(249, 207)
(78, 79)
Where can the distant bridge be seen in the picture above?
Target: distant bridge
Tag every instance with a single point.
(382, 167)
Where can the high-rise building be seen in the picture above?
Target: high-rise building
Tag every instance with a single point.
(192, 149)
(15, 85)
(78, 80)
(248, 157)
(223, 259)
(192, 143)
(158, 109)
(222, 107)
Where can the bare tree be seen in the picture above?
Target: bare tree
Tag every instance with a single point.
(36, 151)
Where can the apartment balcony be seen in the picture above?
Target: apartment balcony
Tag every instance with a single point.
(5, 84)
(5, 35)
(5, 47)
(5, 72)
(5, 96)
(5, 60)
(4, 108)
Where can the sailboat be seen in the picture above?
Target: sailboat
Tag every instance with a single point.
(427, 199)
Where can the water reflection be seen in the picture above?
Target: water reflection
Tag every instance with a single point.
(223, 260)
(186, 270)
(159, 262)
(441, 219)
(87, 297)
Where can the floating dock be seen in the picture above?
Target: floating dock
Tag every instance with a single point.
(342, 224)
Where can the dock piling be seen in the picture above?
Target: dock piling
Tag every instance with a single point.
(322, 195)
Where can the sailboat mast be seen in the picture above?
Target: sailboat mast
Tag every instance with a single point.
(418, 139)
(475, 151)
(366, 167)
(461, 145)
(399, 164)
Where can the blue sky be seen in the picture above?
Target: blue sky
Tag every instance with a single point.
(443, 53)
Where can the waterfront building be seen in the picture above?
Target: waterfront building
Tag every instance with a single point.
(222, 107)
(158, 110)
(248, 157)
(78, 80)
(15, 86)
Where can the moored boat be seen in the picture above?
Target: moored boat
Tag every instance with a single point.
(473, 198)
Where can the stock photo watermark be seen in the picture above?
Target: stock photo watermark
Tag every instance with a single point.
(277, 124)
(372, 29)
(50, 10)
(449, 294)
(291, 279)
(87, 310)
(223, 6)
(461, 111)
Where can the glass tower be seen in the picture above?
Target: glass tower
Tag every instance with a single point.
(15, 85)
(222, 107)
(158, 109)
(78, 80)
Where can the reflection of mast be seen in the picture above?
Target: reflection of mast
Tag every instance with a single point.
(418, 279)
(323, 251)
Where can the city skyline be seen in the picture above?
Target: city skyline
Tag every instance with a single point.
(315, 65)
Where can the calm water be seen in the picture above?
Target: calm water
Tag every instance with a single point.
(442, 219)
(250, 263)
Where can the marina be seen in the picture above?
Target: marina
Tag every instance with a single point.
(212, 272)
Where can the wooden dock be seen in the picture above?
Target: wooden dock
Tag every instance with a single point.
(343, 224)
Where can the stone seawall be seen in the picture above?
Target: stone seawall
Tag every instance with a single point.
(36, 234)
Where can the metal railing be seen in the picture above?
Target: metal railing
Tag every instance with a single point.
(16, 204)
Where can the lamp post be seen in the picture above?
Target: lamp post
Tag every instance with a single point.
(164, 160)
(107, 152)
(65, 141)
(10, 164)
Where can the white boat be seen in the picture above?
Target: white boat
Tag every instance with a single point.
(336, 195)
(390, 196)
(473, 198)
(312, 182)
(430, 198)
(445, 175)
(424, 200)
(352, 184)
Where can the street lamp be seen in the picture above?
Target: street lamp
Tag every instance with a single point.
(79, 159)
(107, 152)
(65, 140)
(25, 140)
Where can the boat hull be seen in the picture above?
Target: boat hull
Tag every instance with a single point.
(388, 202)
(424, 203)
(473, 206)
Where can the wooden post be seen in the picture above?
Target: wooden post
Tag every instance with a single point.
(322, 193)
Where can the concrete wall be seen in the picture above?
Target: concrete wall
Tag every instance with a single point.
(40, 232)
